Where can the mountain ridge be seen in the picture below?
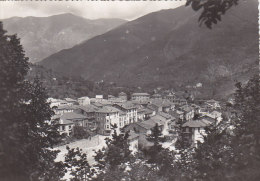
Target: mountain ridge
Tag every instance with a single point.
(43, 36)
(167, 48)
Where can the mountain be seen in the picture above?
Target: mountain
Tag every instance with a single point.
(43, 36)
(169, 48)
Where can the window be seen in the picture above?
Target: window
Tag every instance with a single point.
(63, 128)
(198, 129)
(107, 126)
(107, 121)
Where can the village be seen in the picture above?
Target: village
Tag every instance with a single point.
(173, 113)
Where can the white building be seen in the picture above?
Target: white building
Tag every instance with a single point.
(84, 101)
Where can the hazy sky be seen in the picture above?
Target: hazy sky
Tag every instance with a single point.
(89, 9)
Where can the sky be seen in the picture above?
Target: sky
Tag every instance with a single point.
(127, 10)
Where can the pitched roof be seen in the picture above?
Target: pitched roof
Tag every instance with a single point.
(83, 98)
(140, 110)
(66, 121)
(70, 100)
(165, 115)
(88, 108)
(158, 119)
(186, 108)
(107, 109)
(126, 105)
(148, 111)
(196, 124)
(140, 94)
(67, 107)
(161, 102)
(147, 124)
(208, 118)
(72, 116)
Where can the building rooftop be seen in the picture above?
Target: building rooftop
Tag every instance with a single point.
(161, 102)
(140, 94)
(66, 107)
(148, 124)
(165, 115)
(126, 105)
(72, 116)
(196, 124)
(186, 108)
(88, 108)
(108, 109)
(70, 100)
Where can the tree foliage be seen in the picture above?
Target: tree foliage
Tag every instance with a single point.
(77, 165)
(212, 10)
(26, 134)
(80, 132)
(116, 153)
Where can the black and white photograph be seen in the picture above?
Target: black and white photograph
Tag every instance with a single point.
(145, 90)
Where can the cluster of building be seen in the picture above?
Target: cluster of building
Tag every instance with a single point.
(137, 115)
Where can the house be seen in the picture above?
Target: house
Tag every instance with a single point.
(188, 112)
(65, 127)
(64, 109)
(164, 120)
(99, 96)
(90, 112)
(122, 119)
(177, 114)
(215, 115)
(57, 102)
(84, 101)
(162, 105)
(171, 97)
(105, 118)
(156, 96)
(140, 114)
(130, 110)
(122, 96)
(67, 121)
(77, 119)
(148, 113)
(140, 96)
(213, 104)
(194, 131)
(143, 127)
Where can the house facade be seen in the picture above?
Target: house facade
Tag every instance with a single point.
(140, 96)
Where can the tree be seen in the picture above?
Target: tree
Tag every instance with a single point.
(26, 134)
(79, 132)
(76, 163)
(245, 141)
(211, 158)
(117, 151)
(212, 10)
(156, 138)
(230, 150)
